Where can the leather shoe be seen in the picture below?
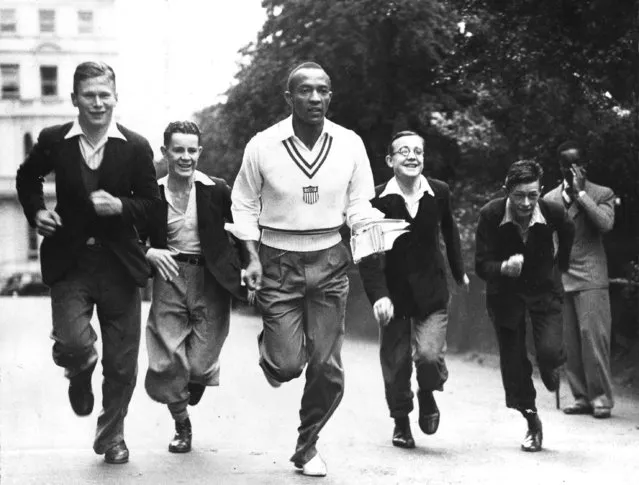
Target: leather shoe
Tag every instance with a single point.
(81, 392)
(550, 378)
(402, 436)
(118, 454)
(534, 436)
(601, 412)
(428, 412)
(315, 467)
(181, 442)
(578, 407)
(195, 392)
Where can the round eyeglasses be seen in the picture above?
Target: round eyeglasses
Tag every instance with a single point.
(405, 151)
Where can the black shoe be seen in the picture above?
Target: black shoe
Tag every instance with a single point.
(534, 436)
(182, 440)
(195, 392)
(118, 454)
(550, 378)
(428, 412)
(402, 436)
(81, 392)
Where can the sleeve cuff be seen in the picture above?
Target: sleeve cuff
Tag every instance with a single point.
(243, 233)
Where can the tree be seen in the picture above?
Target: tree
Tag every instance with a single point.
(381, 56)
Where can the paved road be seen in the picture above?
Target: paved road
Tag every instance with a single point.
(244, 431)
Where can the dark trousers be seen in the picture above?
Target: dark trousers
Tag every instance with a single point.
(303, 306)
(407, 340)
(99, 280)
(508, 314)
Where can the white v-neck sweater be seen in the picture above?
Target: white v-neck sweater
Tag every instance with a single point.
(299, 198)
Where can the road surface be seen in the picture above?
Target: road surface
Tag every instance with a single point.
(245, 431)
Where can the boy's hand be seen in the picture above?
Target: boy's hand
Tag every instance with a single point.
(512, 266)
(383, 310)
(163, 262)
(47, 222)
(105, 204)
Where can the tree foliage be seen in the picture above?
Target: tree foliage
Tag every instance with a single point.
(382, 58)
(486, 81)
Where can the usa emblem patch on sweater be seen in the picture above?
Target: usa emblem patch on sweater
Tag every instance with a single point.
(310, 194)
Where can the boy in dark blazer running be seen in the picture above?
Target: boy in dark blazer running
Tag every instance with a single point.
(408, 287)
(197, 272)
(90, 255)
(523, 243)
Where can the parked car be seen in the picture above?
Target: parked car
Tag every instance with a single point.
(22, 279)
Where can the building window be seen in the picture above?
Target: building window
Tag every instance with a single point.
(8, 22)
(10, 77)
(85, 21)
(49, 80)
(47, 21)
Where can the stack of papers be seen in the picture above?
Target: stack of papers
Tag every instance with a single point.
(375, 236)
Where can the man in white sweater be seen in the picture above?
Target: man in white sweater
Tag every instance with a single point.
(300, 180)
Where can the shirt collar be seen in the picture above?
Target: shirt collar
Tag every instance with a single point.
(536, 218)
(392, 187)
(198, 177)
(112, 132)
(286, 128)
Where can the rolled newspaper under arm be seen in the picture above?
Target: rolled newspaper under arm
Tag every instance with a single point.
(376, 236)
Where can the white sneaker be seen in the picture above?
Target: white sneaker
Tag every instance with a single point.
(314, 467)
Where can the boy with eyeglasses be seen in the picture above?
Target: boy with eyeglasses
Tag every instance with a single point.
(523, 243)
(408, 289)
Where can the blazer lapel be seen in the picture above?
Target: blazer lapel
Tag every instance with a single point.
(110, 170)
(71, 159)
(207, 213)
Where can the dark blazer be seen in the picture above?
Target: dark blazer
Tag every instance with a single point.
(126, 172)
(220, 250)
(413, 274)
(541, 270)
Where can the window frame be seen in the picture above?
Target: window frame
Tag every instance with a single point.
(46, 22)
(88, 23)
(4, 92)
(45, 83)
(8, 20)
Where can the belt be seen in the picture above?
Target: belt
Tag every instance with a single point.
(196, 259)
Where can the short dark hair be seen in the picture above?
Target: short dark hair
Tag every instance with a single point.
(187, 127)
(401, 134)
(568, 145)
(91, 69)
(299, 67)
(523, 172)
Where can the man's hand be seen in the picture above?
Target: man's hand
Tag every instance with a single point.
(465, 283)
(383, 310)
(47, 222)
(578, 178)
(163, 262)
(105, 204)
(512, 266)
(253, 274)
